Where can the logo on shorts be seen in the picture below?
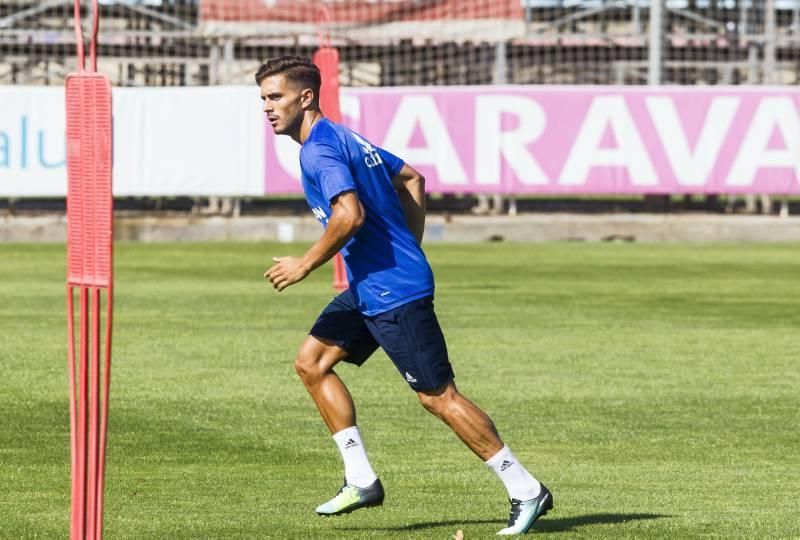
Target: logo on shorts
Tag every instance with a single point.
(409, 378)
(506, 465)
(350, 444)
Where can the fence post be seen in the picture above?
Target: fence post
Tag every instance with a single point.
(770, 71)
(655, 56)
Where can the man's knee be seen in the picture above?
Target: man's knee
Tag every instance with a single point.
(439, 400)
(316, 359)
(309, 366)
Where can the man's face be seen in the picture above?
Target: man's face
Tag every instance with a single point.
(283, 104)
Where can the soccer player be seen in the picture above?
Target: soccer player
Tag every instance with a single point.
(372, 207)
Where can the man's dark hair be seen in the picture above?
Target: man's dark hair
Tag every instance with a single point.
(297, 69)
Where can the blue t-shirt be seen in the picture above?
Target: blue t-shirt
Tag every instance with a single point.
(386, 268)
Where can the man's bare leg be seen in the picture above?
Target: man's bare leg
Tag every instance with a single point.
(476, 429)
(314, 364)
(471, 424)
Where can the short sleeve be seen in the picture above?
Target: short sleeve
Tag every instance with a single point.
(329, 168)
(393, 163)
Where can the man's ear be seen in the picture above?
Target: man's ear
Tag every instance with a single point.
(307, 97)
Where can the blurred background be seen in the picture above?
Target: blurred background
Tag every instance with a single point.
(410, 42)
(418, 43)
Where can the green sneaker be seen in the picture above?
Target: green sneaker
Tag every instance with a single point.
(525, 513)
(352, 498)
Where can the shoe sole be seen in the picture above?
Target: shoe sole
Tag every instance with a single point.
(354, 508)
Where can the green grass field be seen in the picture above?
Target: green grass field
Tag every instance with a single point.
(654, 388)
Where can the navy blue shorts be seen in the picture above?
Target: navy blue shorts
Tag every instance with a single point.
(410, 335)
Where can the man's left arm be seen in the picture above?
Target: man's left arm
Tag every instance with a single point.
(347, 217)
(410, 187)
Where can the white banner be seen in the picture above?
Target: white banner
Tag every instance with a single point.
(32, 142)
(167, 141)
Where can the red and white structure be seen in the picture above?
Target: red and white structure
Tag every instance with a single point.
(90, 273)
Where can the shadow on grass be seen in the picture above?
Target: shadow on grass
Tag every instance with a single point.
(544, 525)
(570, 523)
(424, 525)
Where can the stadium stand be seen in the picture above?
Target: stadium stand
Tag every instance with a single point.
(439, 42)
(415, 42)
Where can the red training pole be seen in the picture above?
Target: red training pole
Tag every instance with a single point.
(73, 428)
(327, 60)
(78, 35)
(95, 29)
(94, 390)
(83, 403)
(104, 412)
(89, 268)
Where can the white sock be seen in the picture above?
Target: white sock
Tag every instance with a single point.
(518, 481)
(357, 470)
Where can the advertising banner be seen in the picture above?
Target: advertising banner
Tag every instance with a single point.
(577, 140)
(513, 139)
(32, 142)
(358, 11)
(366, 21)
(167, 141)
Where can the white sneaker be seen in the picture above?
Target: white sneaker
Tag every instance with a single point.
(352, 498)
(525, 513)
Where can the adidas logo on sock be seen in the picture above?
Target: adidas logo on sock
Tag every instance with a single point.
(506, 465)
(409, 378)
(350, 444)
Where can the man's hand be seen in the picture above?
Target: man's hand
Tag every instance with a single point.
(347, 217)
(287, 271)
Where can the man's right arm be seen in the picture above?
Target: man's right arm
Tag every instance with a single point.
(410, 187)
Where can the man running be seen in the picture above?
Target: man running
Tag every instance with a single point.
(372, 207)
